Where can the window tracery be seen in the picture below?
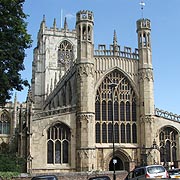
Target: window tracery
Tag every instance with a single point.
(65, 53)
(4, 123)
(124, 113)
(168, 148)
(58, 144)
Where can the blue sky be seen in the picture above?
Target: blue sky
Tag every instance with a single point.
(121, 15)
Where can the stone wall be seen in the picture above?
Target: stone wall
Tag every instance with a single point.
(120, 175)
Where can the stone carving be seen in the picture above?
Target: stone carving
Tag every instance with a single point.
(146, 119)
(85, 117)
(85, 69)
(146, 74)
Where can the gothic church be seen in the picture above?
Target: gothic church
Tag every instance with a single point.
(87, 106)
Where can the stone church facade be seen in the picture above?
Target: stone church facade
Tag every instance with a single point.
(83, 103)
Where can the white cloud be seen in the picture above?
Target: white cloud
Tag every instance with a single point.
(70, 16)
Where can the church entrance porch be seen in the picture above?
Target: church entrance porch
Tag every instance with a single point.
(121, 158)
(118, 165)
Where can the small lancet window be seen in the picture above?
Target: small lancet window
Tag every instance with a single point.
(89, 33)
(144, 40)
(84, 32)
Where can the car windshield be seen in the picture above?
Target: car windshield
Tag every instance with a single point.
(155, 169)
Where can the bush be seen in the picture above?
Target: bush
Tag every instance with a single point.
(8, 175)
(11, 163)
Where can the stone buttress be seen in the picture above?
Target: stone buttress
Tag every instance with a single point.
(85, 92)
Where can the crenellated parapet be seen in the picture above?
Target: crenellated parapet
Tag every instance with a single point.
(127, 52)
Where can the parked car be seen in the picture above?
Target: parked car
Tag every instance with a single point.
(145, 172)
(100, 178)
(45, 177)
(174, 173)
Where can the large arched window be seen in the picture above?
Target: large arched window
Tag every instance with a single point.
(120, 105)
(58, 144)
(4, 123)
(65, 53)
(168, 138)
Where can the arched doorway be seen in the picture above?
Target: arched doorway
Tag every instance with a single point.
(118, 166)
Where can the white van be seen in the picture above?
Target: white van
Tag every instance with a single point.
(145, 172)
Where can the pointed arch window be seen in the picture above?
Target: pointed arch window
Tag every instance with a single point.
(65, 53)
(168, 138)
(128, 133)
(97, 109)
(116, 129)
(123, 133)
(174, 153)
(97, 132)
(110, 135)
(104, 133)
(134, 111)
(124, 111)
(116, 111)
(103, 111)
(110, 111)
(127, 111)
(134, 131)
(4, 123)
(58, 144)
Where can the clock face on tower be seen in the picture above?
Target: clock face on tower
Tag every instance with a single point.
(65, 52)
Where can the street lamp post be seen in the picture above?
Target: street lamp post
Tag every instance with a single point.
(113, 86)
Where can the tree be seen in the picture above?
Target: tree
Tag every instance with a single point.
(14, 39)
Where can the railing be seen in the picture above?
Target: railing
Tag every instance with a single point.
(126, 53)
(61, 110)
(167, 115)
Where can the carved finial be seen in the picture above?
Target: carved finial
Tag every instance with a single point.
(43, 23)
(44, 19)
(115, 38)
(115, 44)
(54, 23)
(65, 24)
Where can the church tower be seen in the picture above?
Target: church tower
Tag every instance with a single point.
(54, 55)
(146, 81)
(85, 92)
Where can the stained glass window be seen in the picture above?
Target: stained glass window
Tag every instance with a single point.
(4, 123)
(58, 144)
(168, 137)
(123, 100)
(65, 52)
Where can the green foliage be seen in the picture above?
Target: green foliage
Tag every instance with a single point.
(14, 39)
(11, 163)
(8, 175)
